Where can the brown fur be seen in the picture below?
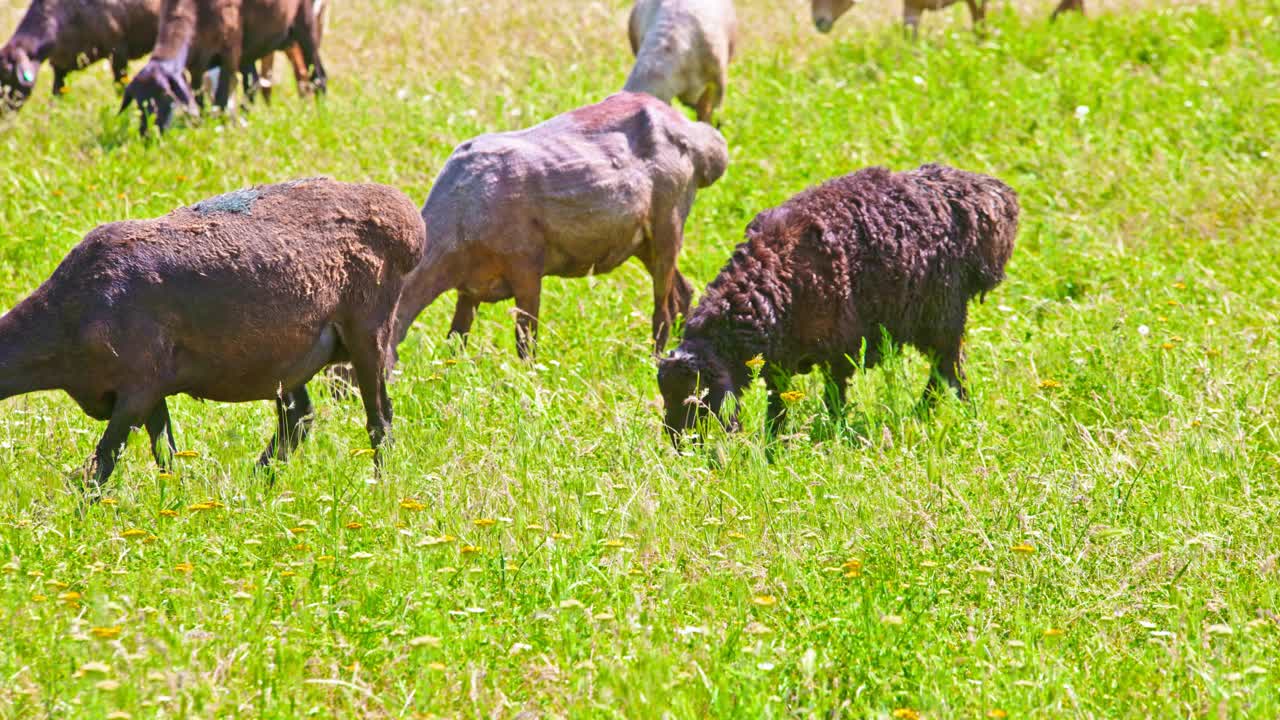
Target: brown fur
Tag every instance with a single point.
(578, 194)
(824, 275)
(240, 297)
(231, 34)
(71, 35)
(826, 12)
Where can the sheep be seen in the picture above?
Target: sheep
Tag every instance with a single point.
(580, 193)
(683, 49)
(822, 278)
(263, 79)
(826, 12)
(71, 35)
(240, 297)
(234, 33)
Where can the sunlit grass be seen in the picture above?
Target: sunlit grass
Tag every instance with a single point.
(1093, 536)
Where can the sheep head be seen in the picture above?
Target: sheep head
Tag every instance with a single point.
(17, 76)
(694, 384)
(156, 88)
(826, 12)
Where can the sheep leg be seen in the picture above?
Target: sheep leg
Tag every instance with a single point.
(682, 295)
(307, 36)
(776, 414)
(301, 77)
(226, 78)
(978, 12)
(159, 427)
(294, 416)
(369, 360)
(127, 414)
(1067, 6)
(836, 390)
(120, 65)
(660, 261)
(948, 368)
(59, 82)
(527, 287)
(911, 21)
(266, 76)
(463, 316)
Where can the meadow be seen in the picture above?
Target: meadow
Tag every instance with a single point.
(1092, 536)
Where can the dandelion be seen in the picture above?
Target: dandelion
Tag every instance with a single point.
(792, 396)
(106, 633)
(852, 568)
(326, 558)
(1049, 384)
(1054, 632)
(297, 530)
(997, 714)
(905, 713)
(1179, 286)
(301, 547)
(413, 505)
(1023, 549)
(735, 535)
(70, 597)
(469, 549)
(186, 454)
(181, 178)
(134, 533)
(184, 567)
(756, 363)
(169, 513)
(484, 522)
(764, 600)
(1166, 345)
(354, 525)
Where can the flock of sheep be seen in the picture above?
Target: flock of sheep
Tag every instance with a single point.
(246, 296)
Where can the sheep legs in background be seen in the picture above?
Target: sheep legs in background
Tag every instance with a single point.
(526, 285)
(129, 411)
(463, 316)
(1066, 6)
(947, 371)
(294, 417)
(158, 426)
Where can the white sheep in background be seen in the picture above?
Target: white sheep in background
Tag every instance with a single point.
(683, 49)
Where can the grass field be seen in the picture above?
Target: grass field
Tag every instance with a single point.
(1094, 536)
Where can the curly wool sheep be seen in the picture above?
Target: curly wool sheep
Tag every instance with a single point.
(240, 297)
(683, 49)
(821, 277)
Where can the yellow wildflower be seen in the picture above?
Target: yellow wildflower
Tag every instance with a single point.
(904, 713)
(560, 536)
(734, 534)
(106, 633)
(614, 543)
(438, 666)
(186, 454)
(411, 504)
(169, 513)
(39, 598)
(133, 533)
(756, 363)
(184, 567)
(109, 502)
(326, 558)
(852, 568)
(1023, 548)
(764, 600)
(792, 396)
(297, 530)
(287, 573)
(1049, 384)
(1054, 632)
(484, 522)
(468, 549)
(997, 714)
(354, 525)
(1167, 345)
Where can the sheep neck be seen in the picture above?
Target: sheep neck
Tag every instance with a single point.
(37, 30)
(27, 351)
(177, 30)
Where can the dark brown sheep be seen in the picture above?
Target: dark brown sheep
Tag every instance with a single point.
(73, 34)
(824, 276)
(196, 35)
(264, 79)
(240, 297)
(578, 194)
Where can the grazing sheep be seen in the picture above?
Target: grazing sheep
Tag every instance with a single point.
(264, 78)
(578, 194)
(73, 34)
(240, 297)
(826, 12)
(821, 277)
(683, 49)
(232, 34)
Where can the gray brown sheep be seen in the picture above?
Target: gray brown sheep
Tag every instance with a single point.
(822, 277)
(826, 12)
(240, 297)
(195, 35)
(683, 49)
(73, 34)
(578, 194)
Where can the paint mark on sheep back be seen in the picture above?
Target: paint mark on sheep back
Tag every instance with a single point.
(238, 201)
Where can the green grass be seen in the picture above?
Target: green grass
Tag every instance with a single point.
(1124, 420)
